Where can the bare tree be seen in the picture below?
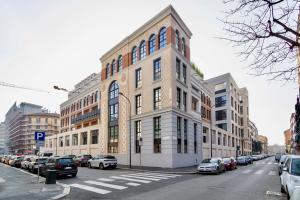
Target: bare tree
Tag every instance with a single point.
(267, 32)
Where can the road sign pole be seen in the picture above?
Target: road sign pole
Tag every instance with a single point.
(38, 163)
(39, 136)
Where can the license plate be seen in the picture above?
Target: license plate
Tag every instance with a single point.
(68, 168)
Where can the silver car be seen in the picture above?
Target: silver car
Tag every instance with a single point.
(211, 165)
(102, 162)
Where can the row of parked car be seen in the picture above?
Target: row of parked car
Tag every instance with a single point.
(289, 172)
(218, 165)
(64, 165)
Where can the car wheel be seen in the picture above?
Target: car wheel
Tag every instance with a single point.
(282, 189)
(287, 193)
(101, 166)
(89, 165)
(218, 171)
(74, 175)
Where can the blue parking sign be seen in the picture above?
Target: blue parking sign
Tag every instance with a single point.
(39, 136)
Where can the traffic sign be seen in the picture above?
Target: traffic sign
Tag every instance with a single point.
(39, 136)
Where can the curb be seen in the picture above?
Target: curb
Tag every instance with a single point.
(166, 172)
(65, 193)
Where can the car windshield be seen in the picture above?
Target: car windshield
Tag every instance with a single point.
(65, 161)
(295, 170)
(41, 160)
(109, 157)
(226, 160)
(210, 160)
(87, 156)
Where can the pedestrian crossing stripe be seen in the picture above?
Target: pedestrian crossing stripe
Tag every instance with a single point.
(259, 171)
(133, 184)
(143, 178)
(272, 173)
(113, 186)
(163, 175)
(150, 176)
(91, 189)
(130, 179)
(106, 179)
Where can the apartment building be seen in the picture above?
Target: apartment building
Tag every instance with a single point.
(287, 140)
(253, 131)
(22, 121)
(2, 138)
(264, 143)
(231, 111)
(80, 121)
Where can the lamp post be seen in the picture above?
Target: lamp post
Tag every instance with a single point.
(120, 93)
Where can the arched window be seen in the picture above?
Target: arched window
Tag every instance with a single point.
(113, 90)
(177, 39)
(120, 63)
(152, 43)
(162, 37)
(143, 50)
(113, 67)
(134, 55)
(183, 47)
(107, 70)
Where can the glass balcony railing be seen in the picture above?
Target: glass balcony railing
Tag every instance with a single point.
(86, 116)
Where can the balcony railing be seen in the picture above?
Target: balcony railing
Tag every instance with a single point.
(86, 116)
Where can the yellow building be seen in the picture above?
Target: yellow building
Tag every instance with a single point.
(264, 143)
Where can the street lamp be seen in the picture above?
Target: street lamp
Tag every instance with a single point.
(120, 93)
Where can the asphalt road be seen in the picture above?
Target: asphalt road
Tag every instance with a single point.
(253, 182)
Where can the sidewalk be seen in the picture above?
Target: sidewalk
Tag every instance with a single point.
(181, 170)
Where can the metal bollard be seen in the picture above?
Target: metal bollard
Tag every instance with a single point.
(50, 177)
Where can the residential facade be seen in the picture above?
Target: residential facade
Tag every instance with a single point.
(287, 140)
(80, 121)
(264, 143)
(2, 138)
(22, 121)
(231, 111)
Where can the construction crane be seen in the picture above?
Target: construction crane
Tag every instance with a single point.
(21, 87)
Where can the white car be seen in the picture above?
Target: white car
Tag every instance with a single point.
(102, 162)
(296, 193)
(290, 177)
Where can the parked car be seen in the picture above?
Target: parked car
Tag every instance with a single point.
(290, 177)
(16, 161)
(35, 163)
(281, 163)
(230, 163)
(26, 161)
(211, 165)
(249, 159)
(242, 160)
(103, 162)
(2, 159)
(277, 157)
(296, 193)
(70, 156)
(7, 159)
(63, 166)
(82, 160)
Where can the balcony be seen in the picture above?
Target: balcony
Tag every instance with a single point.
(86, 116)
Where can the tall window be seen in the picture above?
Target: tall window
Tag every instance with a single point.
(138, 104)
(137, 136)
(162, 37)
(67, 139)
(157, 98)
(120, 63)
(143, 50)
(107, 70)
(113, 67)
(61, 141)
(113, 126)
(96, 95)
(178, 134)
(185, 140)
(177, 69)
(156, 69)
(75, 139)
(134, 55)
(152, 41)
(183, 47)
(83, 138)
(177, 39)
(220, 101)
(157, 134)
(95, 136)
(138, 78)
(184, 100)
(184, 73)
(221, 115)
(219, 138)
(195, 139)
(178, 98)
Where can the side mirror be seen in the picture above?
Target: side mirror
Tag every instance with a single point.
(284, 169)
(282, 163)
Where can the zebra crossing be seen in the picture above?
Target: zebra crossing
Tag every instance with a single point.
(266, 163)
(121, 182)
(259, 172)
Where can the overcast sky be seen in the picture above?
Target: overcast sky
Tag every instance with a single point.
(46, 43)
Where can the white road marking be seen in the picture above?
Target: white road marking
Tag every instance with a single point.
(117, 187)
(247, 171)
(2, 180)
(259, 171)
(270, 163)
(91, 189)
(133, 184)
(130, 179)
(66, 191)
(106, 179)
(274, 193)
(275, 163)
(140, 177)
(162, 175)
(150, 176)
(272, 173)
